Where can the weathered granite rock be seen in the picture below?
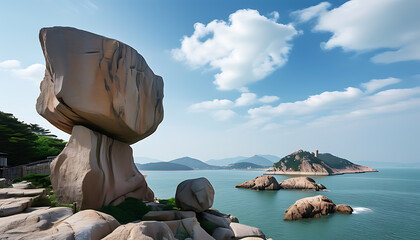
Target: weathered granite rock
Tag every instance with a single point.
(168, 215)
(312, 207)
(264, 182)
(4, 183)
(23, 185)
(10, 206)
(213, 220)
(100, 83)
(243, 231)
(342, 208)
(223, 234)
(15, 192)
(188, 228)
(57, 223)
(146, 230)
(233, 219)
(95, 170)
(195, 194)
(33, 220)
(301, 183)
(156, 206)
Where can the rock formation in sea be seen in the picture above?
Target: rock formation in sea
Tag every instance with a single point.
(314, 207)
(306, 163)
(267, 182)
(102, 92)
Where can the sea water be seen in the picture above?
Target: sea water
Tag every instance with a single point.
(386, 203)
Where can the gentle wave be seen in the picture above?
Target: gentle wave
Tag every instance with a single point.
(358, 210)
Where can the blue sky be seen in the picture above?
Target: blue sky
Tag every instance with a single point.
(247, 77)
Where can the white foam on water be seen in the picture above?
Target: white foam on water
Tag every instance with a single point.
(358, 210)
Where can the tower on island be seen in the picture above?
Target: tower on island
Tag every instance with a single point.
(316, 153)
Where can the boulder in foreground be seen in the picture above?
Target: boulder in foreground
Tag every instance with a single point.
(195, 194)
(313, 207)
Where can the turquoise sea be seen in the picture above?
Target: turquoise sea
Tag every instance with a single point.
(386, 203)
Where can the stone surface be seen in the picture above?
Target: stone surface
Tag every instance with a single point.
(23, 185)
(95, 170)
(195, 194)
(99, 83)
(301, 183)
(4, 183)
(10, 206)
(345, 209)
(188, 228)
(242, 231)
(234, 219)
(15, 192)
(264, 182)
(145, 230)
(156, 206)
(214, 220)
(312, 207)
(168, 215)
(223, 234)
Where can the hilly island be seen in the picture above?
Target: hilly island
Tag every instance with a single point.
(306, 163)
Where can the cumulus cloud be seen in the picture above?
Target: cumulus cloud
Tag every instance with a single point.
(376, 84)
(34, 72)
(333, 106)
(223, 115)
(390, 26)
(245, 49)
(211, 105)
(309, 13)
(269, 99)
(246, 99)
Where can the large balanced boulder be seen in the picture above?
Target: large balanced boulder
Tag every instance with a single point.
(95, 170)
(99, 83)
(264, 182)
(301, 183)
(311, 207)
(195, 194)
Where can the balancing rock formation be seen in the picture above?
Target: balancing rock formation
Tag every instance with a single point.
(103, 93)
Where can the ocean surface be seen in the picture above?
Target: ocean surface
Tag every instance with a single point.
(386, 203)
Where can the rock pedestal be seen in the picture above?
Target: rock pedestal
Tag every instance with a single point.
(95, 170)
(102, 92)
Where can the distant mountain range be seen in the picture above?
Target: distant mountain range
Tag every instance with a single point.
(162, 166)
(263, 160)
(194, 163)
(306, 163)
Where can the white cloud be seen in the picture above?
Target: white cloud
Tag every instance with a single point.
(246, 99)
(10, 64)
(211, 105)
(329, 107)
(309, 13)
(376, 84)
(390, 26)
(246, 49)
(34, 72)
(223, 115)
(269, 99)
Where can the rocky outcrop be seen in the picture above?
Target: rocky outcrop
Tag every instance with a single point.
(168, 215)
(15, 192)
(99, 83)
(102, 92)
(313, 207)
(12, 206)
(261, 183)
(345, 209)
(195, 194)
(301, 183)
(95, 170)
(146, 230)
(23, 185)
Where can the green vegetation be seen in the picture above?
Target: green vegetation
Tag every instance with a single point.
(170, 204)
(208, 226)
(38, 180)
(333, 161)
(291, 162)
(131, 209)
(25, 143)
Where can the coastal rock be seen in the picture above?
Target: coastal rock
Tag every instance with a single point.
(145, 230)
(12, 206)
(264, 182)
(223, 234)
(156, 206)
(345, 209)
(188, 228)
(34, 220)
(23, 185)
(314, 207)
(234, 219)
(243, 231)
(168, 215)
(99, 83)
(213, 221)
(195, 194)
(301, 183)
(95, 170)
(15, 192)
